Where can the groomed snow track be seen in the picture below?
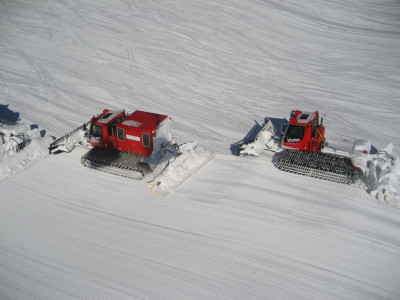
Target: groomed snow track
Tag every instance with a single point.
(319, 165)
(116, 162)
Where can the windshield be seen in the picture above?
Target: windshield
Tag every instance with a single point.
(294, 133)
(96, 130)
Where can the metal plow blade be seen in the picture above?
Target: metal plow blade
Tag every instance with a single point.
(318, 165)
(265, 139)
(70, 140)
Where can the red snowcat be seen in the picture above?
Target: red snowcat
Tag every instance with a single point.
(304, 149)
(121, 144)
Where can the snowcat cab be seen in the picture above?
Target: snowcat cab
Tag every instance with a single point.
(103, 128)
(140, 133)
(303, 132)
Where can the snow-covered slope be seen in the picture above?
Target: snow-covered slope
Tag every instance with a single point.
(238, 229)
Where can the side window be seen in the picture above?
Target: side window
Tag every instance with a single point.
(111, 130)
(117, 121)
(314, 129)
(120, 134)
(146, 139)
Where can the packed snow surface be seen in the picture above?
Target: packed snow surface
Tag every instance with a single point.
(237, 229)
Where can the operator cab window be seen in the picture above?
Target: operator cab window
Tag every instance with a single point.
(294, 133)
(96, 130)
(146, 139)
(117, 121)
(304, 116)
(106, 116)
(314, 126)
(120, 134)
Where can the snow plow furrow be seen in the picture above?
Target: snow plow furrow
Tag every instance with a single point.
(318, 165)
(116, 162)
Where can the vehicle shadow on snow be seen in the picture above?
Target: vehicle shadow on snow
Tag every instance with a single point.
(251, 135)
(8, 115)
(42, 132)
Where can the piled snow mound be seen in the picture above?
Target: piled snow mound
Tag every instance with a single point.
(20, 147)
(191, 159)
(382, 176)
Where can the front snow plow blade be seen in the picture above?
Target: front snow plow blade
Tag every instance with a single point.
(318, 165)
(70, 140)
(265, 139)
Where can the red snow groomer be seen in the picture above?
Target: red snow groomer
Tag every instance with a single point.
(121, 144)
(303, 149)
(127, 145)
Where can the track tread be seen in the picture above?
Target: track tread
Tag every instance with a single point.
(115, 162)
(319, 165)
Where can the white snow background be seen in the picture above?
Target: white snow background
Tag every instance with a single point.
(239, 228)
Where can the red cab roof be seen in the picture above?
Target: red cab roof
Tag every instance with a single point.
(144, 120)
(107, 117)
(301, 118)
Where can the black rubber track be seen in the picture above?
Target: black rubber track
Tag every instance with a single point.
(319, 165)
(116, 162)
